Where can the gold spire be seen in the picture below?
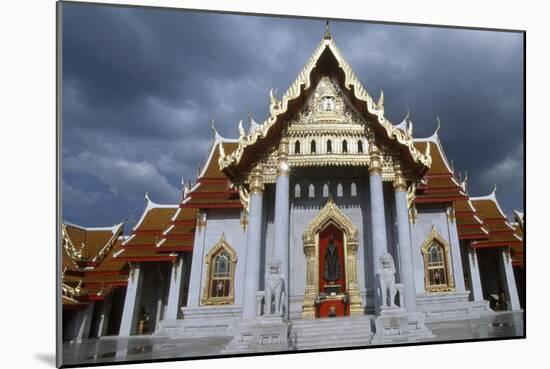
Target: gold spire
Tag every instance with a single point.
(327, 32)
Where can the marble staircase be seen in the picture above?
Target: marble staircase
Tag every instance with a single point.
(330, 332)
(451, 306)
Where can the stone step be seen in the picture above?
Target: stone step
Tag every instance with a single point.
(346, 321)
(347, 335)
(332, 332)
(328, 345)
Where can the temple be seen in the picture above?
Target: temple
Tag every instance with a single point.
(324, 210)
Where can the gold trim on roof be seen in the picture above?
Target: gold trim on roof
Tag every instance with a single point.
(351, 82)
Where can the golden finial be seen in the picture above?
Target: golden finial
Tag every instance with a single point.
(327, 35)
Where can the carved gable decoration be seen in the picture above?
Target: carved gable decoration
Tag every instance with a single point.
(327, 104)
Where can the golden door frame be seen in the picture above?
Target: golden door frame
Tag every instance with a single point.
(330, 214)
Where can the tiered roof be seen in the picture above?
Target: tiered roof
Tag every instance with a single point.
(89, 271)
(501, 232)
(469, 224)
(440, 184)
(180, 234)
(141, 246)
(165, 230)
(213, 189)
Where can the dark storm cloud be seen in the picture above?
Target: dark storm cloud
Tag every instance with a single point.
(140, 87)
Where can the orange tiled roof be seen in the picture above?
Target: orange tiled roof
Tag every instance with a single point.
(440, 184)
(92, 263)
(501, 233)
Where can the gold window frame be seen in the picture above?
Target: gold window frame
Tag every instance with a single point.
(449, 278)
(207, 299)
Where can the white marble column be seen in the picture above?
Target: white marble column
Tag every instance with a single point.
(103, 321)
(174, 294)
(378, 216)
(85, 322)
(406, 271)
(458, 271)
(282, 222)
(128, 324)
(509, 280)
(253, 244)
(475, 278)
(197, 261)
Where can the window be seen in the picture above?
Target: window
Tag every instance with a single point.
(436, 265)
(220, 265)
(345, 147)
(312, 147)
(353, 189)
(297, 147)
(325, 190)
(329, 146)
(311, 190)
(297, 191)
(437, 272)
(360, 146)
(339, 190)
(221, 275)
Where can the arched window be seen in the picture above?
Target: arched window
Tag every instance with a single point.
(339, 190)
(297, 147)
(353, 189)
(311, 190)
(325, 190)
(360, 147)
(220, 273)
(297, 192)
(437, 271)
(345, 147)
(313, 147)
(329, 146)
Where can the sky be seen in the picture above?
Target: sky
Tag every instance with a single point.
(141, 85)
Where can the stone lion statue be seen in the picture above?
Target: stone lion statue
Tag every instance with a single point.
(274, 288)
(386, 278)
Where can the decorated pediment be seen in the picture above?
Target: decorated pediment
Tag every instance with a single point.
(326, 94)
(327, 104)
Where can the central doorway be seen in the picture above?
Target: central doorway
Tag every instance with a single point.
(332, 300)
(330, 247)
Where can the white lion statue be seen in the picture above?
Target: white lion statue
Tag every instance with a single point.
(386, 278)
(275, 287)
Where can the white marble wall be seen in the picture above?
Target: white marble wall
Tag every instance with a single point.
(436, 216)
(218, 222)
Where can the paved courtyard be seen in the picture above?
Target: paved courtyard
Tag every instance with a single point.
(110, 349)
